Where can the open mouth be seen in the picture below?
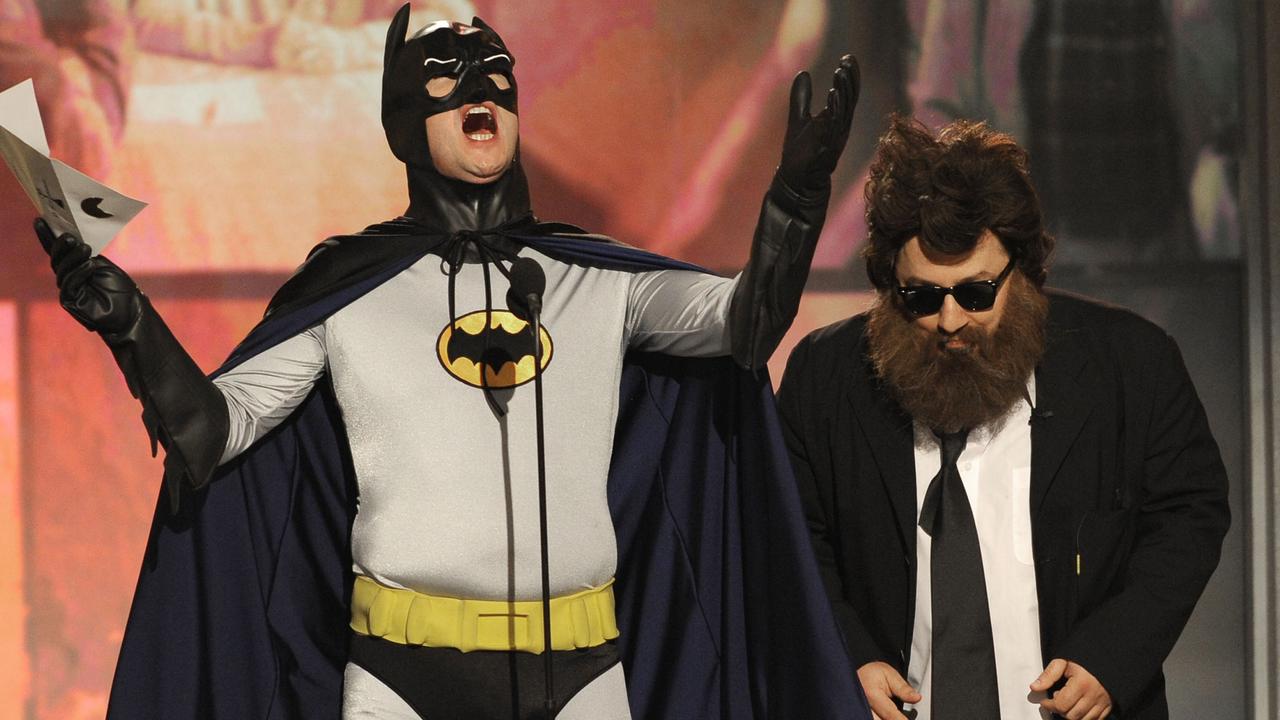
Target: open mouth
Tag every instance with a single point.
(479, 124)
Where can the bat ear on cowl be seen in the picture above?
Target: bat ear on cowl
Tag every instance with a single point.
(395, 35)
(477, 22)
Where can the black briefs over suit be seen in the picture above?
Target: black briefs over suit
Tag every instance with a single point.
(1125, 475)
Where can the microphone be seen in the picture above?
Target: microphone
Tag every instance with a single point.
(528, 282)
(1036, 413)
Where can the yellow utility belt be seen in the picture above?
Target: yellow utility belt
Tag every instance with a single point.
(584, 619)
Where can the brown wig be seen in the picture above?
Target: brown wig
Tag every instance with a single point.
(947, 190)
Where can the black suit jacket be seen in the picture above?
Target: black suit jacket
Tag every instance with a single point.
(1125, 478)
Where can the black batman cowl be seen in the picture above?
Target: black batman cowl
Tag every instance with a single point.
(473, 55)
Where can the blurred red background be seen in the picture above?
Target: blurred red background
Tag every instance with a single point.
(252, 127)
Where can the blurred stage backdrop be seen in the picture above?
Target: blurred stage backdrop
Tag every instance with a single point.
(252, 128)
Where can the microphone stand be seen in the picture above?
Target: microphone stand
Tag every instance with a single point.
(535, 319)
(527, 285)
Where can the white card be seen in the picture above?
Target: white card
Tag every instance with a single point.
(69, 200)
(20, 115)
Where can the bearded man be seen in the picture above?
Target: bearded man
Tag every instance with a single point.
(1013, 494)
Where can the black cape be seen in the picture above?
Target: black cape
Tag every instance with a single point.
(241, 609)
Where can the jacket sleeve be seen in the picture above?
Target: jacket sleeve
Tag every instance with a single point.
(797, 395)
(1179, 514)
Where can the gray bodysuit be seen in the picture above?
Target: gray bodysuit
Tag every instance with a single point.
(448, 487)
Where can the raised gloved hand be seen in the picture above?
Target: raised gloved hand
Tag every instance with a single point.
(181, 408)
(94, 290)
(814, 142)
(768, 292)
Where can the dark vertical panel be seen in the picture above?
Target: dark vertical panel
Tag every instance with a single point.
(1260, 35)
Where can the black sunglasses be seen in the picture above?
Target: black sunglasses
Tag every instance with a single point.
(921, 300)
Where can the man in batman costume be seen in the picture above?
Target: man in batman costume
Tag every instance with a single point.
(351, 529)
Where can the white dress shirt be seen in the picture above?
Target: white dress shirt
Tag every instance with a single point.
(996, 469)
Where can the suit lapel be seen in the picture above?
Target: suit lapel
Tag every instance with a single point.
(1063, 403)
(889, 435)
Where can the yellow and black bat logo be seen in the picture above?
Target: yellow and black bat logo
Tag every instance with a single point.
(503, 351)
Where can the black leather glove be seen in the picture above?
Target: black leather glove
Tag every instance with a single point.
(767, 296)
(94, 290)
(814, 143)
(181, 408)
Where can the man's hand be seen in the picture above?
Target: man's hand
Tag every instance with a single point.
(96, 292)
(881, 684)
(1082, 698)
(814, 143)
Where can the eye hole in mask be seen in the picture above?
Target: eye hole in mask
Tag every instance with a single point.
(440, 86)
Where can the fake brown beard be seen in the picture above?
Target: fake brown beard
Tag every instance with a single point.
(949, 390)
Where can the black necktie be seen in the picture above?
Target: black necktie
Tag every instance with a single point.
(964, 658)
